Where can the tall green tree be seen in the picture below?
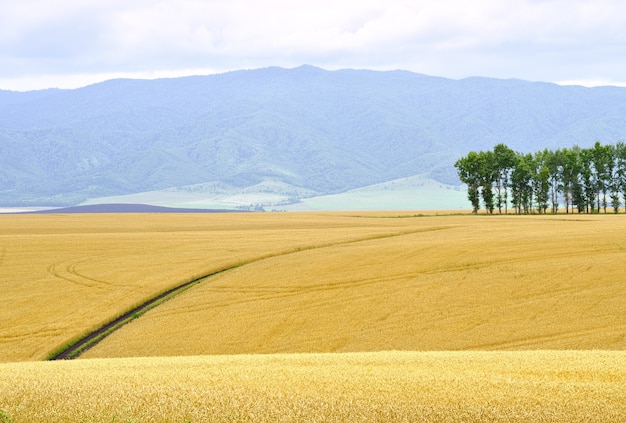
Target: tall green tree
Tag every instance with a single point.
(603, 165)
(620, 169)
(504, 162)
(488, 173)
(554, 163)
(588, 180)
(521, 194)
(614, 181)
(540, 180)
(468, 168)
(570, 166)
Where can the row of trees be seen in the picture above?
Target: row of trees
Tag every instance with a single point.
(584, 179)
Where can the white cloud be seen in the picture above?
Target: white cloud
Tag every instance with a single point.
(67, 42)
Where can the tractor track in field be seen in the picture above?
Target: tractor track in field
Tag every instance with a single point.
(75, 348)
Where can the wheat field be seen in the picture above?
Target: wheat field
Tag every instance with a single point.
(64, 275)
(316, 317)
(440, 283)
(538, 386)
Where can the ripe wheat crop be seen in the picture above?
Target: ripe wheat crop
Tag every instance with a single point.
(538, 386)
(436, 283)
(339, 290)
(64, 275)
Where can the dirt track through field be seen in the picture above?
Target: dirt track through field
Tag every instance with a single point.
(91, 339)
(75, 348)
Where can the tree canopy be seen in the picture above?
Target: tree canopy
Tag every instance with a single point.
(586, 180)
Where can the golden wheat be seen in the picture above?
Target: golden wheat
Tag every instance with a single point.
(541, 386)
(437, 283)
(316, 283)
(63, 275)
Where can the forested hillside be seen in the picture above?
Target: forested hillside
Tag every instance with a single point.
(307, 130)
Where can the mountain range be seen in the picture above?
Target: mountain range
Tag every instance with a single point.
(276, 137)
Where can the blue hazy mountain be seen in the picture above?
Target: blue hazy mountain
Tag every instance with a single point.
(318, 131)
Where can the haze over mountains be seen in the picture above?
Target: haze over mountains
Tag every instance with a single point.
(273, 136)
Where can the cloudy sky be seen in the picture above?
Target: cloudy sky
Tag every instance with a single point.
(73, 43)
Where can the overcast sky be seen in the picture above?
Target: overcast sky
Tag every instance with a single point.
(73, 43)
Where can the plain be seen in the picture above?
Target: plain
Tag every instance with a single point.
(339, 289)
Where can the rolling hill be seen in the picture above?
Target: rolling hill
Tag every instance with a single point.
(283, 134)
